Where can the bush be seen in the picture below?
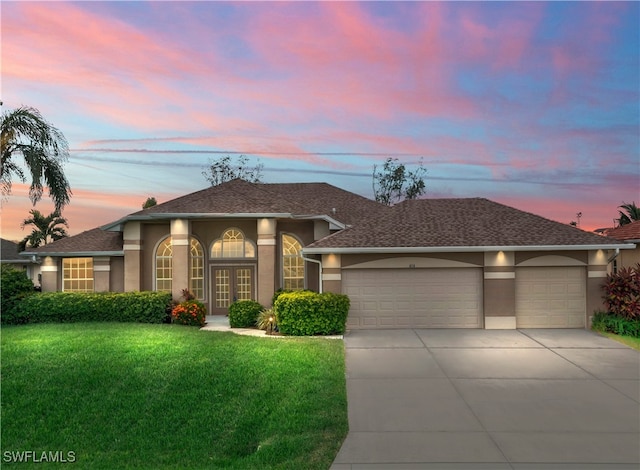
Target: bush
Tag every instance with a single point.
(69, 307)
(14, 286)
(280, 291)
(267, 321)
(244, 313)
(189, 312)
(310, 313)
(622, 292)
(612, 323)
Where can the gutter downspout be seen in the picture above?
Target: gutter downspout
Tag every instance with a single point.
(614, 256)
(319, 263)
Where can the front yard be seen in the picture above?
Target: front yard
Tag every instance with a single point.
(166, 396)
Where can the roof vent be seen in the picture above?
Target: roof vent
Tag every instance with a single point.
(333, 211)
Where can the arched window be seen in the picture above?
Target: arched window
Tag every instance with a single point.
(196, 269)
(164, 266)
(292, 263)
(233, 244)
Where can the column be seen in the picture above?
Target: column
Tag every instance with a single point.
(499, 291)
(49, 271)
(180, 229)
(101, 274)
(266, 277)
(132, 247)
(596, 275)
(332, 274)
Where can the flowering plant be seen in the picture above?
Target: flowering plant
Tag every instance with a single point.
(190, 312)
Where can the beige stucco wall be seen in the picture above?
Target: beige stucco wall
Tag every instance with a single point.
(50, 270)
(116, 275)
(629, 258)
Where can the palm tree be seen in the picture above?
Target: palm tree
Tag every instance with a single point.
(43, 148)
(632, 213)
(46, 229)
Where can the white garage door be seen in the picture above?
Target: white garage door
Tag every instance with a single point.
(551, 297)
(420, 298)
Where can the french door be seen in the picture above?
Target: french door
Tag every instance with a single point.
(228, 284)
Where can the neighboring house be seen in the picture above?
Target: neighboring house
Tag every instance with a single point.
(9, 255)
(629, 233)
(469, 263)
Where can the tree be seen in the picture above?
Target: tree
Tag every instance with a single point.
(394, 183)
(46, 229)
(223, 170)
(632, 213)
(43, 148)
(150, 202)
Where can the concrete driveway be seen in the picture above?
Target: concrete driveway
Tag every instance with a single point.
(490, 399)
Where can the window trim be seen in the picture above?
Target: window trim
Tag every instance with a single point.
(155, 263)
(220, 239)
(203, 267)
(85, 279)
(283, 256)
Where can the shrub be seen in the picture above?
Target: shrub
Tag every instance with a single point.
(280, 291)
(612, 323)
(622, 292)
(15, 285)
(267, 320)
(189, 312)
(68, 307)
(310, 313)
(244, 313)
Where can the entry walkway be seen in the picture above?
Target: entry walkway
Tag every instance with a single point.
(490, 400)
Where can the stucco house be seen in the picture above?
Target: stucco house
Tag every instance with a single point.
(629, 233)
(456, 263)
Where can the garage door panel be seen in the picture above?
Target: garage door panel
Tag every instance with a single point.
(550, 297)
(426, 298)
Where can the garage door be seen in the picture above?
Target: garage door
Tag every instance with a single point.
(551, 297)
(420, 298)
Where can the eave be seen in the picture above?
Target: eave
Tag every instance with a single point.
(117, 225)
(462, 249)
(73, 254)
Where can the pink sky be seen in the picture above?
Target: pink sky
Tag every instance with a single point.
(530, 104)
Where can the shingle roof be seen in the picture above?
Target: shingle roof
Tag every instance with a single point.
(626, 232)
(241, 197)
(472, 222)
(92, 241)
(9, 252)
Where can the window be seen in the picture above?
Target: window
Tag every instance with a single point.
(164, 266)
(196, 269)
(232, 244)
(77, 274)
(292, 263)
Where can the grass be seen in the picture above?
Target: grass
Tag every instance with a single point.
(630, 341)
(169, 396)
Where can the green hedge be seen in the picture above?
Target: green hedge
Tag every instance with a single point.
(14, 286)
(612, 323)
(69, 307)
(310, 313)
(244, 313)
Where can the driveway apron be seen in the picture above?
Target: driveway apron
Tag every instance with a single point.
(490, 399)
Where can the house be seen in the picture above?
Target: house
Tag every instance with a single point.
(9, 255)
(629, 233)
(456, 263)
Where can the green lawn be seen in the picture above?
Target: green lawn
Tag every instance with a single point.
(630, 341)
(168, 396)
